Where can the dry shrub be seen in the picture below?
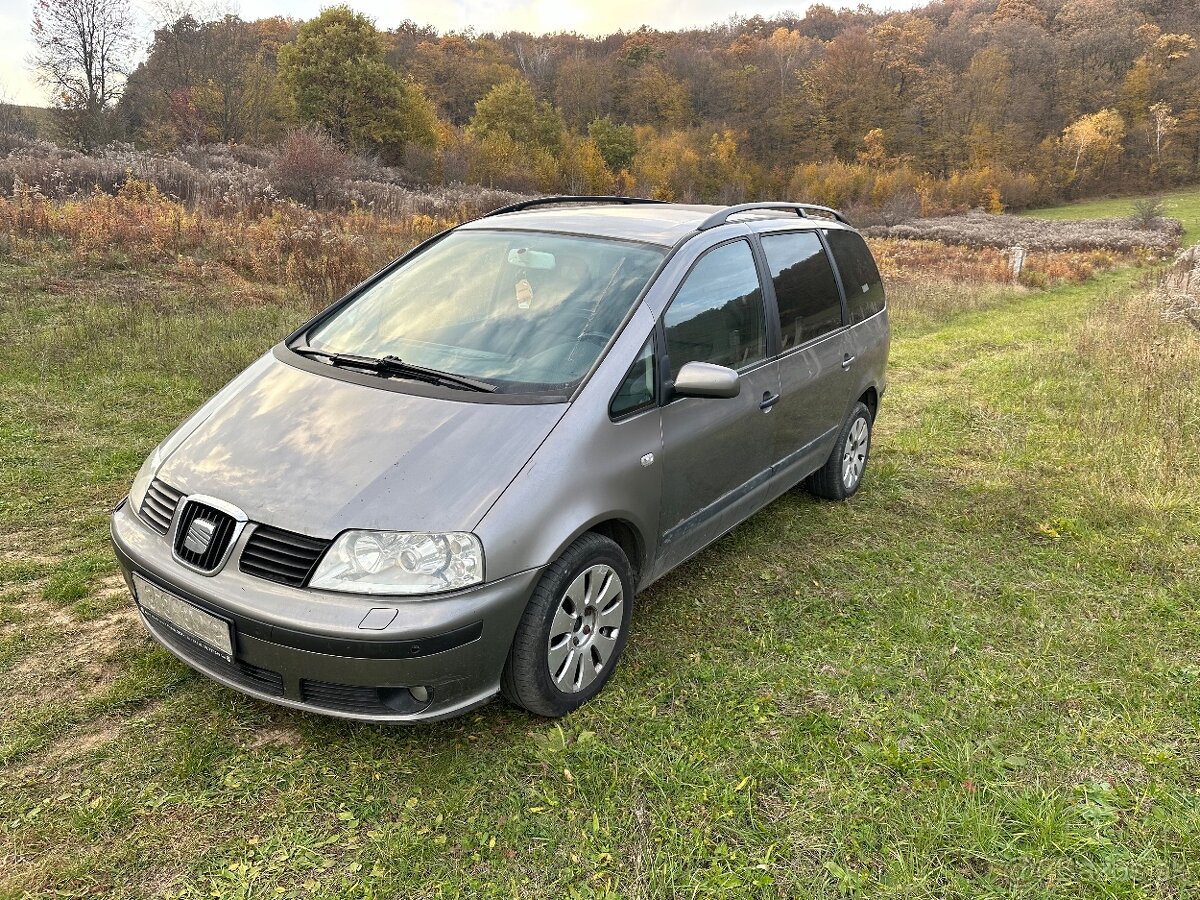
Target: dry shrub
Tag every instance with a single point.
(319, 253)
(862, 187)
(1179, 292)
(917, 260)
(310, 167)
(224, 180)
(980, 229)
(138, 221)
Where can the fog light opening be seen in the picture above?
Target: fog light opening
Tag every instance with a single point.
(405, 700)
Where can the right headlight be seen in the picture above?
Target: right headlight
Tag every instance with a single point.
(400, 562)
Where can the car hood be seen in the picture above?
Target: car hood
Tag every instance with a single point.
(316, 454)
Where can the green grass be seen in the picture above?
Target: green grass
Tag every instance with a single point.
(978, 678)
(1183, 205)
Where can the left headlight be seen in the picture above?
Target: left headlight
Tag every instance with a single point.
(400, 562)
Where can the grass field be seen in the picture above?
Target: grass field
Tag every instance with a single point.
(1183, 205)
(977, 679)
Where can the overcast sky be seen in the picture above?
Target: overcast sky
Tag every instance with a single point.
(598, 17)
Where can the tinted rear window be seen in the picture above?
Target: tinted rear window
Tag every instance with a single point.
(860, 277)
(805, 289)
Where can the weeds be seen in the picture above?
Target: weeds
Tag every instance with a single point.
(1140, 419)
(320, 253)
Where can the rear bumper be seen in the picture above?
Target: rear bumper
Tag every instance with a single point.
(308, 650)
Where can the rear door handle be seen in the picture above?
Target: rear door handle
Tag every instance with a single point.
(768, 401)
(848, 360)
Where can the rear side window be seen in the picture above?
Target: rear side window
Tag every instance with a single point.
(637, 390)
(717, 316)
(805, 289)
(860, 276)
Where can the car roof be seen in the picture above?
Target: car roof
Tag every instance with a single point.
(664, 224)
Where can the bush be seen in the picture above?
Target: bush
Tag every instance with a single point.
(310, 167)
(900, 208)
(1147, 212)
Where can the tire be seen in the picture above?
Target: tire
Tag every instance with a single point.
(572, 632)
(842, 474)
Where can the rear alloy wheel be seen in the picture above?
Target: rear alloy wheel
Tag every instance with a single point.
(573, 630)
(843, 472)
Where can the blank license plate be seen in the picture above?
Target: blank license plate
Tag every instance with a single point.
(190, 622)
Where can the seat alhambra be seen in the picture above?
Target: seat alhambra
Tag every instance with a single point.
(452, 483)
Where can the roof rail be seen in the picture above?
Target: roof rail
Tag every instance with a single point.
(546, 201)
(800, 209)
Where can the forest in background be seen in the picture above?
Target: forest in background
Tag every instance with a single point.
(956, 104)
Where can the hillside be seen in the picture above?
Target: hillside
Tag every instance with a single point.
(954, 104)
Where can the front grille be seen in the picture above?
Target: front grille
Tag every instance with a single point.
(208, 558)
(238, 672)
(158, 508)
(363, 700)
(281, 556)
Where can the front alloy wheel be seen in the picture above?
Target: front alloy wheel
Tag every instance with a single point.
(585, 629)
(573, 630)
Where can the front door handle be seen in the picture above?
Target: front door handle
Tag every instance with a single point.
(768, 401)
(848, 360)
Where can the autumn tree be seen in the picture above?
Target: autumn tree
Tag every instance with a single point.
(208, 81)
(1092, 141)
(338, 79)
(510, 108)
(1162, 124)
(617, 144)
(584, 89)
(786, 47)
(458, 72)
(83, 51)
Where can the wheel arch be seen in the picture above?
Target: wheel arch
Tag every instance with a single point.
(870, 398)
(625, 535)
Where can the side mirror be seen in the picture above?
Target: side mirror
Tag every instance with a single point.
(701, 379)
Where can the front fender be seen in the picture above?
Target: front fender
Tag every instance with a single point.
(588, 470)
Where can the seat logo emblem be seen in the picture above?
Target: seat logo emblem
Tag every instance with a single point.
(199, 535)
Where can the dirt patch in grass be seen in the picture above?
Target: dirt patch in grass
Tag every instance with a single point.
(275, 736)
(72, 747)
(86, 659)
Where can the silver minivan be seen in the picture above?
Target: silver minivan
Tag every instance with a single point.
(452, 483)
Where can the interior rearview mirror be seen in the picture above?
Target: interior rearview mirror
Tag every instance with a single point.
(701, 379)
(530, 259)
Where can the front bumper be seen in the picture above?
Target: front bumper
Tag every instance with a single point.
(309, 650)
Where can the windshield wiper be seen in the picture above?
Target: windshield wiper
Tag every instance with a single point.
(393, 366)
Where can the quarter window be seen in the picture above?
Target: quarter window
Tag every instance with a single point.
(805, 289)
(637, 390)
(860, 276)
(717, 316)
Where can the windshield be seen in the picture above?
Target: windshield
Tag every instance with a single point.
(526, 312)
